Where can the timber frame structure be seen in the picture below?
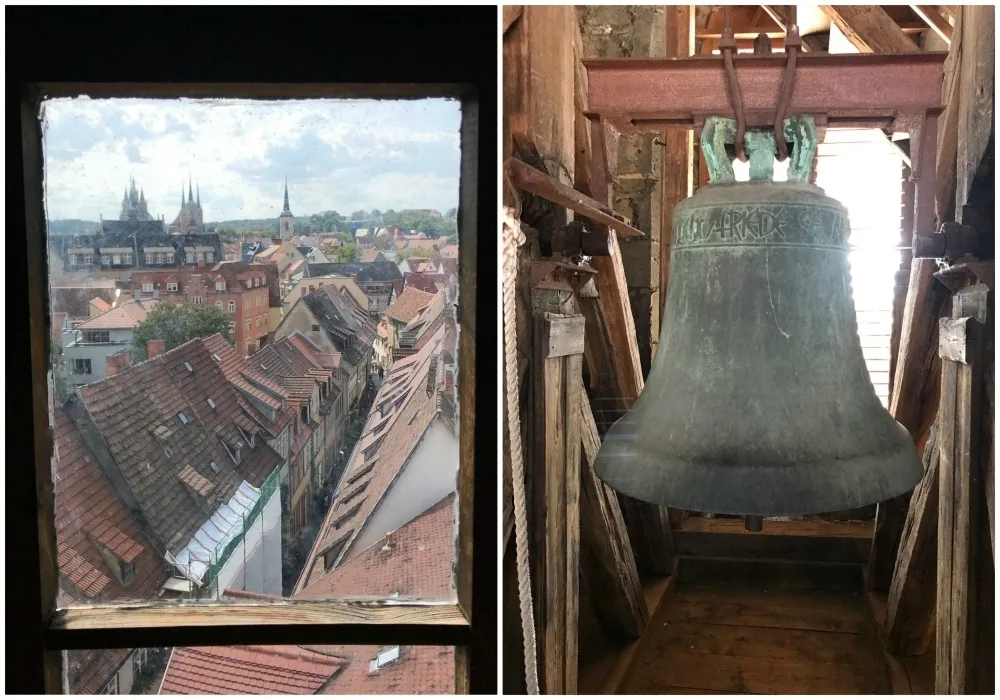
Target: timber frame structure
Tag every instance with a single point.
(895, 601)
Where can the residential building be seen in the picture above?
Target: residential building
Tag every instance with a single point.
(172, 436)
(371, 255)
(231, 252)
(308, 285)
(380, 281)
(312, 253)
(408, 318)
(248, 293)
(87, 346)
(74, 297)
(414, 562)
(314, 385)
(405, 462)
(115, 254)
(103, 554)
(430, 282)
(335, 323)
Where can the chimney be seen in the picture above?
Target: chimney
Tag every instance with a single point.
(201, 264)
(355, 278)
(116, 363)
(155, 348)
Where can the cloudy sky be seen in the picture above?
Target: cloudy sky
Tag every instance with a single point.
(343, 155)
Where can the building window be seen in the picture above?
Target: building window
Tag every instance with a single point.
(232, 306)
(147, 286)
(246, 304)
(220, 286)
(171, 286)
(128, 572)
(72, 259)
(258, 321)
(105, 259)
(112, 687)
(139, 658)
(232, 326)
(218, 305)
(209, 256)
(384, 659)
(249, 348)
(196, 300)
(150, 257)
(86, 259)
(126, 258)
(97, 336)
(81, 366)
(192, 257)
(246, 325)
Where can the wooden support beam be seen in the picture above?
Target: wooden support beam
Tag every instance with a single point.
(909, 621)
(677, 183)
(870, 29)
(976, 88)
(935, 20)
(555, 497)
(782, 15)
(607, 564)
(511, 13)
(959, 494)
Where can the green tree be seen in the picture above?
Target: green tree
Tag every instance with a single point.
(452, 239)
(176, 324)
(405, 253)
(350, 252)
(451, 213)
(359, 215)
(381, 242)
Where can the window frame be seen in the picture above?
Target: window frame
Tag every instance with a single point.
(469, 624)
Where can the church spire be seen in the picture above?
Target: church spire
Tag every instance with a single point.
(190, 194)
(286, 195)
(198, 191)
(182, 193)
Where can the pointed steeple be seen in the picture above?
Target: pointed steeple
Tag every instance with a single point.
(198, 191)
(190, 194)
(182, 193)
(286, 195)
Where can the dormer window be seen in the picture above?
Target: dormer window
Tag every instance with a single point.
(128, 572)
(147, 286)
(220, 285)
(383, 659)
(246, 436)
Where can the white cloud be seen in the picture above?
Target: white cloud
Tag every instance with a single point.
(337, 154)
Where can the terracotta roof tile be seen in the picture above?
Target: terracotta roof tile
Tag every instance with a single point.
(127, 406)
(100, 304)
(128, 315)
(255, 670)
(409, 304)
(410, 415)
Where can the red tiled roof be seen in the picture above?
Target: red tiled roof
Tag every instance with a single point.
(408, 421)
(100, 304)
(419, 670)
(416, 563)
(127, 407)
(371, 255)
(409, 304)
(128, 315)
(86, 501)
(242, 670)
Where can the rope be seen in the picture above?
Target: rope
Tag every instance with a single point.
(512, 238)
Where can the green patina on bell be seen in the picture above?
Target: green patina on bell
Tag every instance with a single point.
(758, 401)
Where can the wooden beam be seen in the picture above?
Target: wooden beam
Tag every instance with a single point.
(909, 621)
(677, 182)
(976, 90)
(870, 29)
(958, 518)
(607, 563)
(935, 20)
(511, 13)
(555, 497)
(782, 15)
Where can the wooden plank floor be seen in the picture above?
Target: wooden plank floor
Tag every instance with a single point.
(721, 640)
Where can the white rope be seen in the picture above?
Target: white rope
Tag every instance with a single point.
(512, 238)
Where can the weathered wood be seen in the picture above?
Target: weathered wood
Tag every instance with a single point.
(677, 182)
(555, 497)
(711, 544)
(935, 20)
(959, 495)
(607, 562)
(953, 339)
(976, 89)
(770, 573)
(947, 141)
(870, 29)
(798, 527)
(564, 335)
(511, 13)
(909, 621)
(902, 276)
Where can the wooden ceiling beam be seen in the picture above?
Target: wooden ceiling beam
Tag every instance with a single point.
(782, 14)
(935, 20)
(870, 29)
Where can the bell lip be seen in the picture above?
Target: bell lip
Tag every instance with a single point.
(748, 490)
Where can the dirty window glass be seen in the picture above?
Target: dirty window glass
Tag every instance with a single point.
(254, 363)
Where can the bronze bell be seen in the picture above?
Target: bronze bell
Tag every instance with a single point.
(758, 401)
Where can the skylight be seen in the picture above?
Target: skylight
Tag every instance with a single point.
(183, 418)
(210, 402)
(189, 368)
(384, 659)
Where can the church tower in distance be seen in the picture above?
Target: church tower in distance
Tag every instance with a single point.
(286, 222)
